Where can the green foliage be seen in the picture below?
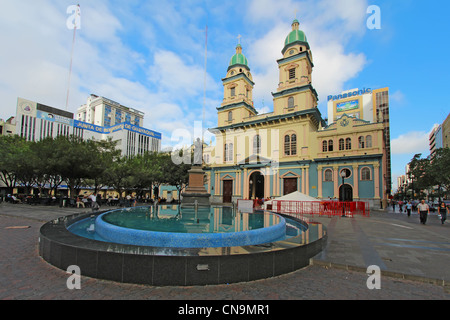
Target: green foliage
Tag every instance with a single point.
(429, 173)
(15, 160)
(80, 163)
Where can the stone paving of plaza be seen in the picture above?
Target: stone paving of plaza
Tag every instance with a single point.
(414, 259)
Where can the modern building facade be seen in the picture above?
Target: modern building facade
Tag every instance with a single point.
(446, 132)
(293, 148)
(104, 112)
(35, 121)
(435, 139)
(440, 136)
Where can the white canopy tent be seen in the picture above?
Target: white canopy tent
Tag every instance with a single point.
(295, 196)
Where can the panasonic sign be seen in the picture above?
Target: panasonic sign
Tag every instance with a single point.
(349, 94)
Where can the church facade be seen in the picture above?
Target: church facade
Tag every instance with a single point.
(292, 148)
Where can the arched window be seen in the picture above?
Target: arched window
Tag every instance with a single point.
(290, 145)
(328, 175)
(324, 146)
(257, 144)
(365, 174)
(233, 91)
(369, 142)
(341, 144)
(287, 145)
(330, 145)
(348, 144)
(230, 116)
(361, 142)
(291, 102)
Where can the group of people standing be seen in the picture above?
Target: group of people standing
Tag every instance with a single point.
(423, 209)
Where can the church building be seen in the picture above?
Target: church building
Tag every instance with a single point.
(292, 148)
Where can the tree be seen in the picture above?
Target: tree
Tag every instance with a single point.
(105, 154)
(176, 175)
(48, 171)
(418, 173)
(430, 172)
(146, 170)
(13, 160)
(119, 175)
(439, 170)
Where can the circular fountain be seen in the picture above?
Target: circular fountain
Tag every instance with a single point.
(169, 245)
(194, 228)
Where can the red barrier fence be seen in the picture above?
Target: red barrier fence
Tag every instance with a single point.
(322, 208)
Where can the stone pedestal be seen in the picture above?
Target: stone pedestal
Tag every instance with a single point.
(196, 190)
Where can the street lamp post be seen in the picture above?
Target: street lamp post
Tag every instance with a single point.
(343, 175)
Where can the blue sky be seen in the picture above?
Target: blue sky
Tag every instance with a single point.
(150, 55)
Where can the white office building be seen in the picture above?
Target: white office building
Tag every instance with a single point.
(106, 113)
(35, 121)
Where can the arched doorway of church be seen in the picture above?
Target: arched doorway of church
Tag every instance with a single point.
(256, 185)
(346, 193)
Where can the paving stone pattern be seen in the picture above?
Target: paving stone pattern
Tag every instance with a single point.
(405, 249)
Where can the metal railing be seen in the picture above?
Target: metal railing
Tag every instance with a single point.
(322, 208)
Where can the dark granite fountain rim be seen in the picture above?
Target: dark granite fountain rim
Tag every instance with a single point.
(56, 231)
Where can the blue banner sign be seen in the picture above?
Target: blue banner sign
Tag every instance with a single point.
(53, 118)
(118, 127)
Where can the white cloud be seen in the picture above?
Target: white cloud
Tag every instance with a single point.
(172, 74)
(163, 75)
(328, 26)
(334, 67)
(410, 143)
(398, 97)
(35, 65)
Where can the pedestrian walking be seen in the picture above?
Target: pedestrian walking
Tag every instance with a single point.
(423, 209)
(443, 210)
(408, 208)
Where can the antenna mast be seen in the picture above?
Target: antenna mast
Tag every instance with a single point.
(78, 13)
(204, 84)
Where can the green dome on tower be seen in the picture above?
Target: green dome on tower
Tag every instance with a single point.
(296, 34)
(239, 58)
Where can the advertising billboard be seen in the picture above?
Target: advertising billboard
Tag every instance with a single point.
(347, 106)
